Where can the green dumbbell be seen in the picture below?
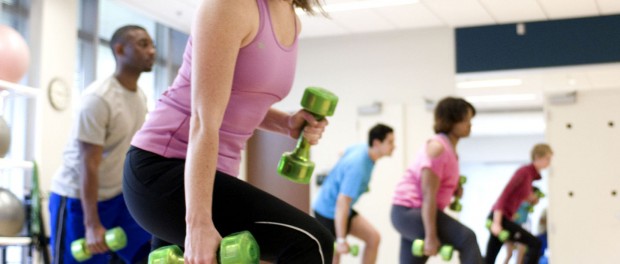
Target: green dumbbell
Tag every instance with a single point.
(115, 239)
(417, 249)
(456, 204)
(297, 166)
(237, 248)
(354, 250)
(503, 235)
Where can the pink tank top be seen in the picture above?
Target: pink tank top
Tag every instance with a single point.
(409, 190)
(263, 75)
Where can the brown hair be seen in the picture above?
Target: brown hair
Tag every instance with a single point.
(450, 111)
(309, 6)
(540, 150)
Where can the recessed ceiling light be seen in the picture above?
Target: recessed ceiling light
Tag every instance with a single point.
(489, 83)
(500, 98)
(572, 82)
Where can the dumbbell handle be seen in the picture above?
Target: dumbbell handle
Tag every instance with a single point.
(353, 249)
(236, 248)
(445, 250)
(503, 234)
(115, 239)
(302, 149)
(303, 146)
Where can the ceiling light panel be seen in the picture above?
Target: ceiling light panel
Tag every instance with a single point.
(489, 83)
(362, 21)
(320, 26)
(410, 16)
(503, 98)
(609, 7)
(460, 13)
(559, 9)
(514, 11)
(334, 7)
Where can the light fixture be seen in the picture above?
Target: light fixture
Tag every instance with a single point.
(501, 98)
(365, 4)
(562, 98)
(520, 29)
(572, 82)
(373, 109)
(489, 83)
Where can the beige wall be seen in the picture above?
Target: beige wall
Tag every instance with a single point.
(53, 45)
(583, 228)
(398, 69)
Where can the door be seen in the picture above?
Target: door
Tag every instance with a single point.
(264, 150)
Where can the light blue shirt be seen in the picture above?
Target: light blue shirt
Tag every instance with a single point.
(349, 177)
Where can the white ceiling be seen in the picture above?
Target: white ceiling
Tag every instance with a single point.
(424, 13)
(448, 13)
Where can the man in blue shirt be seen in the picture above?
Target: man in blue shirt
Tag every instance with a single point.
(346, 182)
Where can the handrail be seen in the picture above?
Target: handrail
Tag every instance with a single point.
(19, 89)
(17, 164)
(15, 241)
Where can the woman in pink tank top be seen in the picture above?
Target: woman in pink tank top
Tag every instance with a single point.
(427, 187)
(179, 178)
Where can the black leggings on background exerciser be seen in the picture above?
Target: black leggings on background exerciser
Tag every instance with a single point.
(154, 193)
(517, 234)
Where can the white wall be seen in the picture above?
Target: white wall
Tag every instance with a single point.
(584, 227)
(53, 45)
(395, 68)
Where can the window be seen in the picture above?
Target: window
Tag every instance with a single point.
(95, 59)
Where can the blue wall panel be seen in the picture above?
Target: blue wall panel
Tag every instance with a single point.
(544, 44)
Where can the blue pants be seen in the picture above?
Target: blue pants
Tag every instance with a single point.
(67, 225)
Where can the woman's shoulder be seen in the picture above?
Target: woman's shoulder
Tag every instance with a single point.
(239, 17)
(434, 148)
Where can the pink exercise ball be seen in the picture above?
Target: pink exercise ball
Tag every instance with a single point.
(14, 55)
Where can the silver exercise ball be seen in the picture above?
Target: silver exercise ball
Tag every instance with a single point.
(5, 137)
(12, 213)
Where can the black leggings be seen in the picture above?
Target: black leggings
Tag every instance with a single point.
(408, 222)
(154, 193)
(517, 234)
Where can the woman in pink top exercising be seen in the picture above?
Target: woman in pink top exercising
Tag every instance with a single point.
(427, 187)
(180, 174)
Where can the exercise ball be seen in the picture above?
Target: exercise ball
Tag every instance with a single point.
(5, 137)
(14, 55)
(12, 213)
